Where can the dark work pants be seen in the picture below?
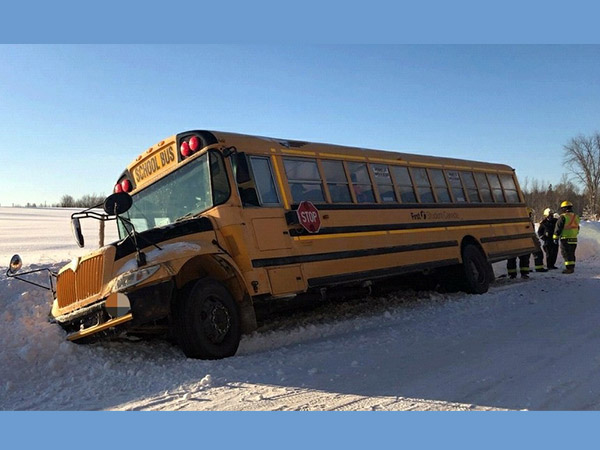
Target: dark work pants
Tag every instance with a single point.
(511, 265)
(538, 260)
(551, 250)
(567, 250)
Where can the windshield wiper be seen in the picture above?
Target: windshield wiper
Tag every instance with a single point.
(185, 216)
(133, 235)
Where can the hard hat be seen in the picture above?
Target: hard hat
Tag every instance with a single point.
(548, 212)
(565, 204)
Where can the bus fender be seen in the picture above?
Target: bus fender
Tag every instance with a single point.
(220, 267)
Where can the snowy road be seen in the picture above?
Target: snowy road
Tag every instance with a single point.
(526, 344)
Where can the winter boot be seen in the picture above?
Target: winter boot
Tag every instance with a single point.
(524, 275)
(569, 269)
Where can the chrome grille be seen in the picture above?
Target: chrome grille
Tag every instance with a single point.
(72, 286)
(65, 288)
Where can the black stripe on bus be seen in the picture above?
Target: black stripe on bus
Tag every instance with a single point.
(508, 238)
(287, 260)
(495, 257)
(416, 206)
(158, 235)
(405, 226)
(378, 273)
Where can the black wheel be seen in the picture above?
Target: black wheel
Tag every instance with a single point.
(477, 270)
(207, 321)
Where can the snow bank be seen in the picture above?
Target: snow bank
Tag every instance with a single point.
(589, 241)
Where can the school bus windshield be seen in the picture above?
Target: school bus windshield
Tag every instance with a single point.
(179, 195)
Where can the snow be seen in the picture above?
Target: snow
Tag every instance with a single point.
(526, 344)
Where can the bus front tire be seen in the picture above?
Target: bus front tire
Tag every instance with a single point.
(477, 270)
(207, 321)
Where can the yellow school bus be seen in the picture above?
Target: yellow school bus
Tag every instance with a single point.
(212, 222)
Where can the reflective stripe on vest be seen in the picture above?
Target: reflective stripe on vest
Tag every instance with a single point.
(571, 228)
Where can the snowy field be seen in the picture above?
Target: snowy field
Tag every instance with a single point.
(526, 344)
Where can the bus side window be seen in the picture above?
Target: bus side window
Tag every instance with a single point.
(361, 183)
(243, 178)
(337, 183)
(510, 189)
(261, 167)
(218, 178)
(423, 185)
(381, 174)
(471, 186)
(496, 187)
(484, 187)
(456, 186)
(404, 184)
(304, 180)
(439, 184)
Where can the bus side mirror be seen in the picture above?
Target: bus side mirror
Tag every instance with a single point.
(15, 264)
(118, 203)
(76, 228)
(242, 172)
(229, 151)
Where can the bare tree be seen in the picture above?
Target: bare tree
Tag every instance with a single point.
(582, 159)
(67, 201)
(86, 201)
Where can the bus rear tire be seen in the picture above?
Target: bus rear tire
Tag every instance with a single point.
(207, 321)
(477, 270)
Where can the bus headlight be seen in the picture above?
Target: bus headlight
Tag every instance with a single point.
(130, 279)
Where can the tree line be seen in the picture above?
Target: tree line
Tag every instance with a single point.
(86, 201)
(539, 196)
(68, 201)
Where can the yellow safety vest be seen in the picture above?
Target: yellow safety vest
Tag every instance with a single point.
(571, 228)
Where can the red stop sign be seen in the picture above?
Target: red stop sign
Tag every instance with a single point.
(308, 216)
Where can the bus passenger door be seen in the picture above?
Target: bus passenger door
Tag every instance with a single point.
(264, 217)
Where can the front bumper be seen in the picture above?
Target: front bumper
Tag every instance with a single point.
(110, 315)
(112, 323)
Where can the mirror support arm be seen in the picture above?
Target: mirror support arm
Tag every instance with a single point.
(93, 215)
(50, 275)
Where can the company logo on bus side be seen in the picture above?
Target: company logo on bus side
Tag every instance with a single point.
(155, 163)
(437, 215)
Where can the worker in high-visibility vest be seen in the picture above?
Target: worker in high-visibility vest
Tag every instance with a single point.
(545, 232)
(566, 231)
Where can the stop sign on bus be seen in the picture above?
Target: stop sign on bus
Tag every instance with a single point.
(308, 216)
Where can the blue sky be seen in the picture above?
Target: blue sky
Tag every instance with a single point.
(72, 117)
